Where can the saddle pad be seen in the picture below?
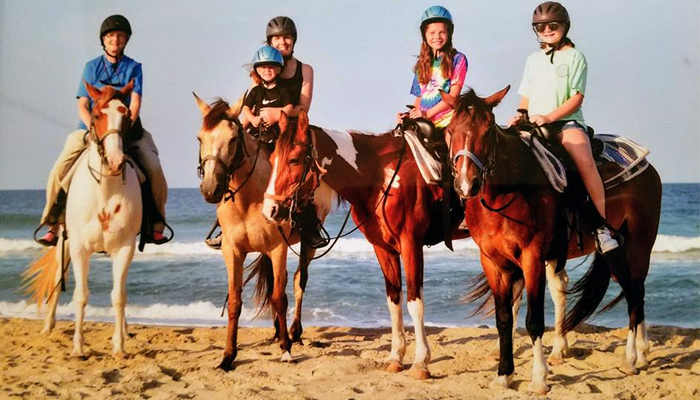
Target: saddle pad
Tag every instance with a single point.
(626, 154)
(430, 168)
(552, 167)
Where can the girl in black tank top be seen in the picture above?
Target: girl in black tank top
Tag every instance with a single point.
(293, 84)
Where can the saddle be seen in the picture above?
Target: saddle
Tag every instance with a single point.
(427, 143)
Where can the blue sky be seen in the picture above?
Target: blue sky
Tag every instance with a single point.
(643, 56)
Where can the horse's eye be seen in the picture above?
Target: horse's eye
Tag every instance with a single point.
(294, 161)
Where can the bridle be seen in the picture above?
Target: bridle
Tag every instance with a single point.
(486, 168)
(312, 172)
(240, 154)
(99, 142)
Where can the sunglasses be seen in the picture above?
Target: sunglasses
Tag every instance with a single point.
(540, 27)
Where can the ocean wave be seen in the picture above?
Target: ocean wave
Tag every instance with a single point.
(345, 246)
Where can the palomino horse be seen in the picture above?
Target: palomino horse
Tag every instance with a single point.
(103, 214)
(235, 168)
(511, 211)
(391, 204)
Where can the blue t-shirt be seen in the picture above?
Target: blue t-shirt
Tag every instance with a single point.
(100, 72)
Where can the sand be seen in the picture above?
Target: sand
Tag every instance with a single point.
(335, 363)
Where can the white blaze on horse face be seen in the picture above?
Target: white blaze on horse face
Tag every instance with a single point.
(115, 112)
(346, 148)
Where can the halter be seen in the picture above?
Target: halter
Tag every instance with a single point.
(487, 169)
(238, 160)
(291, 202)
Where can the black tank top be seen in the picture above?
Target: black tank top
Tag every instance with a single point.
(293, 84)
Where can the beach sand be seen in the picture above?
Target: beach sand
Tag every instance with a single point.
(335, 363)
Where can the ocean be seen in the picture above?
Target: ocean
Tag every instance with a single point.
(184, 282)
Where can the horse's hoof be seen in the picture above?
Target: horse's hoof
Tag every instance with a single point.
(393, 366)
(78, 355)
(420, 374)
(540, 388)
(628, 369)
(554, 360)
(120, 355)
(227, 364)
(501, 382)
(287, 357)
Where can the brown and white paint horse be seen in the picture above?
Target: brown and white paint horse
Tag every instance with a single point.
(511, 211)
(234, 162)
(392, 208)
(103, 214)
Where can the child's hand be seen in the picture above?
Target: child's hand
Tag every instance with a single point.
(255, 121)
(515, 119)
(540, 120)
(270, 116)
(417, 113)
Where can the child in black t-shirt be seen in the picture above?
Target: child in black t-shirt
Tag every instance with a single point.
(267, 64)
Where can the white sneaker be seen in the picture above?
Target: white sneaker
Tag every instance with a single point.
(605, 241)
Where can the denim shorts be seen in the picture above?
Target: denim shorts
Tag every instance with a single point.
(560, 126)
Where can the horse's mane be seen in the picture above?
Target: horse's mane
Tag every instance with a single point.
(217, 113)
(470, 99)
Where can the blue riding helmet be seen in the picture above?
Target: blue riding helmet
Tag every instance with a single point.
(268, 55)
(435, 14)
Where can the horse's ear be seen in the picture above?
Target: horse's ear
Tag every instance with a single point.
(449, 100)
(283, 122)
(303, 123)
(203, 106)
(126, 90)
(496, 98)
(236, 108)
(94, 92)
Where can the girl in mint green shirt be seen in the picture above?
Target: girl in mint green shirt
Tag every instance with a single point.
(552, 90)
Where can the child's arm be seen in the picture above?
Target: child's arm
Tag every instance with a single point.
(84, 110)
(569, 106)
(250, 118)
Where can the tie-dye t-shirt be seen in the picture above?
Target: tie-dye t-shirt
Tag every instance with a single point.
(430, 93)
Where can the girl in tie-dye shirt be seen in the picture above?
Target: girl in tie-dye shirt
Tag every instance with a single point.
(439, 67)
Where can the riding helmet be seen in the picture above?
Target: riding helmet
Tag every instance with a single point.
(267, 55)
(550, 11)
(115, 23)
(281, 26)
(435, 14)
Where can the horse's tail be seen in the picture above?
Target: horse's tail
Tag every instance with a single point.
(589, 292)
(262, 293)
(40, 278)
(480, 289)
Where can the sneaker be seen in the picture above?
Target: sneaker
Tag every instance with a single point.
(214, 243)
(48, 240)
(605, 240)
(314, 238)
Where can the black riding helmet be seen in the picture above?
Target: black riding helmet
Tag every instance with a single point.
(115, 23)
(281, 26)
(551, 11)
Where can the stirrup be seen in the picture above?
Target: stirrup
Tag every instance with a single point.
(604, 240)
(44, 242)
(214, 242)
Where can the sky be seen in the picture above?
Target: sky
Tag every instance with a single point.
(643, 59)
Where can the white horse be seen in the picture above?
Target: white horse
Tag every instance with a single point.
(103, 214)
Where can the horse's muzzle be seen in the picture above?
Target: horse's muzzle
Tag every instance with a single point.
(211, 190)
(274, 212)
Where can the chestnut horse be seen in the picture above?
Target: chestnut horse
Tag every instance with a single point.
(235, 169)
(103, 214)
(391, 204)
(512, 211)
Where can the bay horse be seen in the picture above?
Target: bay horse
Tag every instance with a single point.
(390, 203)
(512, 210)
(103, 214)
(235, 168)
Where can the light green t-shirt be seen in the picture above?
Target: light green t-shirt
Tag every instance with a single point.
(548, 86)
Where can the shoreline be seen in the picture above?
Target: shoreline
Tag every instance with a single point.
(167, 362)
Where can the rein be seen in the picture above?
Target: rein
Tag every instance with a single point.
(97, 174)
(385, 193)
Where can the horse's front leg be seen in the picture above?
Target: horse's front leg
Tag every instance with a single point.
(301, 277)
(61, 255)
(517, 300)
(558, 283)
(534, 273)
(501, 285)
(81, 270)
(391, 268)
(412, 254)
(120, 269)
(234, 269)
(279, 298)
